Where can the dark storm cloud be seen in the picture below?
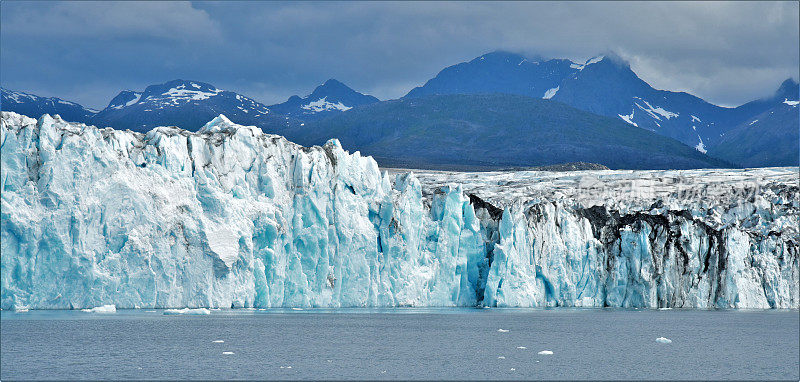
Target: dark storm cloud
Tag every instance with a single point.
(727, 53)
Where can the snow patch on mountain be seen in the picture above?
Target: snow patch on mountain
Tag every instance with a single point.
(655, 112)
(628, 118)
(550, 93)
(588, 62)
(181, 93)
(791, 103)
(701, 147)
(136, 97)
(322, 104)
(18, 96)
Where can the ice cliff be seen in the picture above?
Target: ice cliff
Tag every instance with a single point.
(232, 217)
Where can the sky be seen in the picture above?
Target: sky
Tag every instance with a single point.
(727, 53)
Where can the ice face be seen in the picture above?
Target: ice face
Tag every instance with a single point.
(233, 217)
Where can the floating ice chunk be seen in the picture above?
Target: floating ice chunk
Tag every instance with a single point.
(545, 352)
(502, 330)
(501, 357)
(187, 311)
(21, 310)
(297, 308)
(286, 367)
(521, 347)
(218, 341)
(227, 353)
(663, 340)
(512, 369)
(102, 309)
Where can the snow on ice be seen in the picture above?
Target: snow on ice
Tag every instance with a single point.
(232, 217)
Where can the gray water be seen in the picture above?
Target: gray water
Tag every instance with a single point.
(401, 344)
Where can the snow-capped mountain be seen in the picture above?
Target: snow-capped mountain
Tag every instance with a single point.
(500, 72)
(329, 98)
(609, 87)
(185, 104)
(788, 91)
(34, 106)
(771, 138)
(603, 85)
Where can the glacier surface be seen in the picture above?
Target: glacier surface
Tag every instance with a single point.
(232, 217)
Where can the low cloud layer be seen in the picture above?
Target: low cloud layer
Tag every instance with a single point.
(726, 53)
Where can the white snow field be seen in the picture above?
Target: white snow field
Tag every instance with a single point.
(232, 217)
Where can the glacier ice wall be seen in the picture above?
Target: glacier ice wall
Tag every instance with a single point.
(232, 217)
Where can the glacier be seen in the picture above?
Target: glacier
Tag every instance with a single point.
(231, 217)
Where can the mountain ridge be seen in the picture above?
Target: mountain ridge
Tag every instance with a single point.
(604, 85)
(492, 131)
(329, 98)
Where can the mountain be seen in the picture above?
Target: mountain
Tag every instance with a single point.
(788, 90)
(609, 87)
(186, 104)
(603, 85)
(34, 106)
(771, 138)
(329, 98)
(494, 131)
(499, 72)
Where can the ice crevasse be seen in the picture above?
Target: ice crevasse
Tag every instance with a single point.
(232, 217)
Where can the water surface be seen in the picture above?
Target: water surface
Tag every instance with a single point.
(401, 344)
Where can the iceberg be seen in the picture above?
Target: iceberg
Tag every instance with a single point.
(102, 309)
(188, 311)
(231, 217)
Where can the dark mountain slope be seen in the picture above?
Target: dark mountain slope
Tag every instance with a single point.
(34, 106)
(495, 131)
